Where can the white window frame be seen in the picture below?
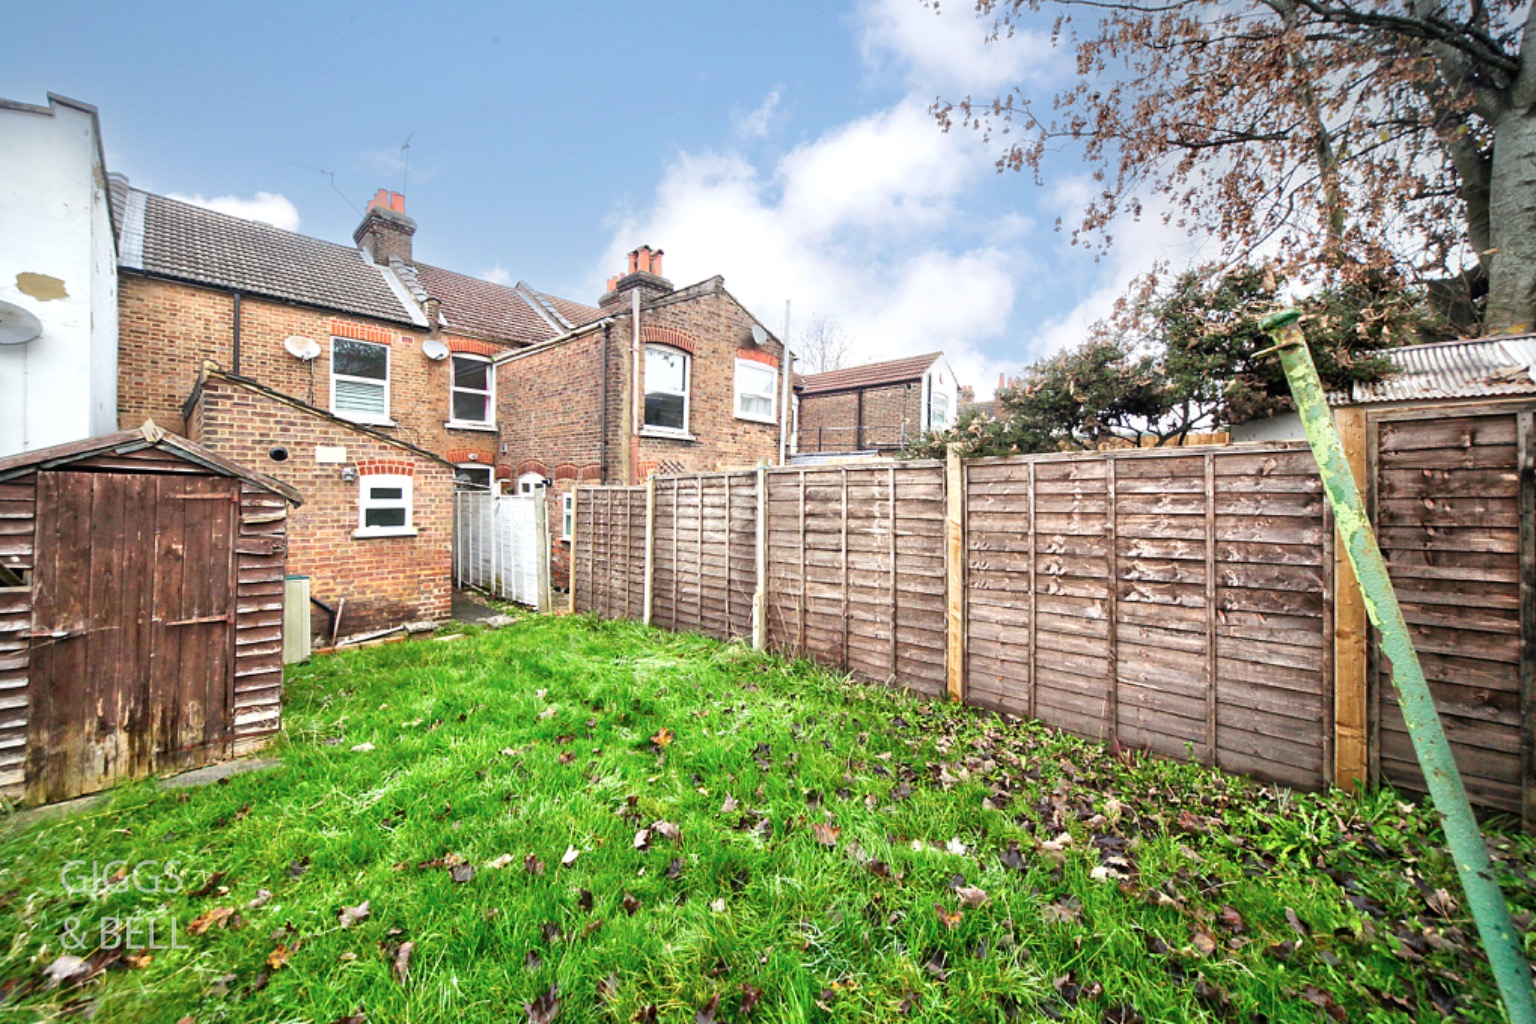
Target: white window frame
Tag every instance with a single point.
(490, 478)
(365, 502)
(656, 431)
(380, 421)
(530, 485)
(773, 391)
(489, 423)
(567, 515)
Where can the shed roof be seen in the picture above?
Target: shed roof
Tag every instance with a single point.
(893, 371)
(1474, 368)
(125, 442)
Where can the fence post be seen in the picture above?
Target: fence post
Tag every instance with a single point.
(954, 564)
(1351, 631)
(760, 543)
(575, 533)
(543, 552)
(650, 543)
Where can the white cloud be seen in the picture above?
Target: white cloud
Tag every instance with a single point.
(947, 51)
(266, 207)
(756, 123)
(497, 275)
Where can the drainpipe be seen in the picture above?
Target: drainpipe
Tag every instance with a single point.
(602, 409)
(789, 390)
(234, 356)
(636, 395)
(1415, 700)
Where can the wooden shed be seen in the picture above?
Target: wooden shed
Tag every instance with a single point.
(141, 604)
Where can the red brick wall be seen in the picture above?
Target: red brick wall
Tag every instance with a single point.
(891, 414)
(167, 329)
(385, 580)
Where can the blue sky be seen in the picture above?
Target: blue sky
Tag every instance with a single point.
(785, 145)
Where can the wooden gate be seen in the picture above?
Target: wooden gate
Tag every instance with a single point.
(133, 632)
(1452, 496)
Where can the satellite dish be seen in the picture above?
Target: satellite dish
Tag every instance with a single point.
(434, 350)
(301, 347)
(17, 325)
(758, 334)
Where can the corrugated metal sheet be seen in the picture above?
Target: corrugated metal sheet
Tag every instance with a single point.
(1479, 368)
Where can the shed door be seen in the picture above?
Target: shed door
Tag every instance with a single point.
(133, 627)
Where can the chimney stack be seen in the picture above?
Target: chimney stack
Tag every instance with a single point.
(385, 231)
(644, 273)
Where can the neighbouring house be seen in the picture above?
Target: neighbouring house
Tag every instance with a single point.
(58, 277)
(673, 380)
(877, 407)
(1475, 370)
(141, 610)
(369, 371)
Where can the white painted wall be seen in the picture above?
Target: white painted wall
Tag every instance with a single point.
(940, 379)
(55, 221)
(1284, 427)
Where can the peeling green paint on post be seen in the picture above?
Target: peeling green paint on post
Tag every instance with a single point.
(1462, 834)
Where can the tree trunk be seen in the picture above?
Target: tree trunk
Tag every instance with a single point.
(1512, 222)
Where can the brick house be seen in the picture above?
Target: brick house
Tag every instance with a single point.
(322, 347)
(676, 380)
(877, 407)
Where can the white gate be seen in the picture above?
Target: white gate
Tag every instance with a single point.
(501, 546)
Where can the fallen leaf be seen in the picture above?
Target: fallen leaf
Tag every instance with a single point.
(646, 1014)
(362, 748)
(667, 830)
(663, 737)
(532, 962)
(584, 899)
(571, 853)
(66, 970)
(462, 873)
(1203, 940)
(1325, 1002)
(718, 906)
(643, 839)
(825, 834)
(1296, 923)
(956, 847)
(750, 997)
(262, 896)
(1061, 912)
(497, 863)
(608, 988)
(730, 805)
(706, 1013)
(947, 917)
(218, 917)
(533, 865)
(548, 712)
(402, 964)
(1123, 1015)
(971, 896)
(545, 1008)
(630, 904)
(278, 958)
(349, 916)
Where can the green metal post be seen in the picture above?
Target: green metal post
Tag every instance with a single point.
(1462, 834)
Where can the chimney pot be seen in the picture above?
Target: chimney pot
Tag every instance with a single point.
(397, 202)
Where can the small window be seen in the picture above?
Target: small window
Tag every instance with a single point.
(360, 380)
(473, 391)
(756, 385)
(384, 507)
(472, 477)
(530, 483)
(567, 515)
(938, 410)
(666, 389)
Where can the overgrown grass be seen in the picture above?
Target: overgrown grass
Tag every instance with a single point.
(977, 870)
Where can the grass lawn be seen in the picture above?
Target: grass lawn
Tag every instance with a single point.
(607, 823)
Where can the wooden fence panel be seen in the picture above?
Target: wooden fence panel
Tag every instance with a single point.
(608, 567)
(1172, 602)
(705, 561)
(1447, 501)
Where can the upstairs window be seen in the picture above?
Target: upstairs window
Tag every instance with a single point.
(938, 410)
(384, 506)
(756, 386)
(360, 381)
(473, 391)
(666, 389)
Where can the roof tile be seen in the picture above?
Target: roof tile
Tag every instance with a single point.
(894, 371)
